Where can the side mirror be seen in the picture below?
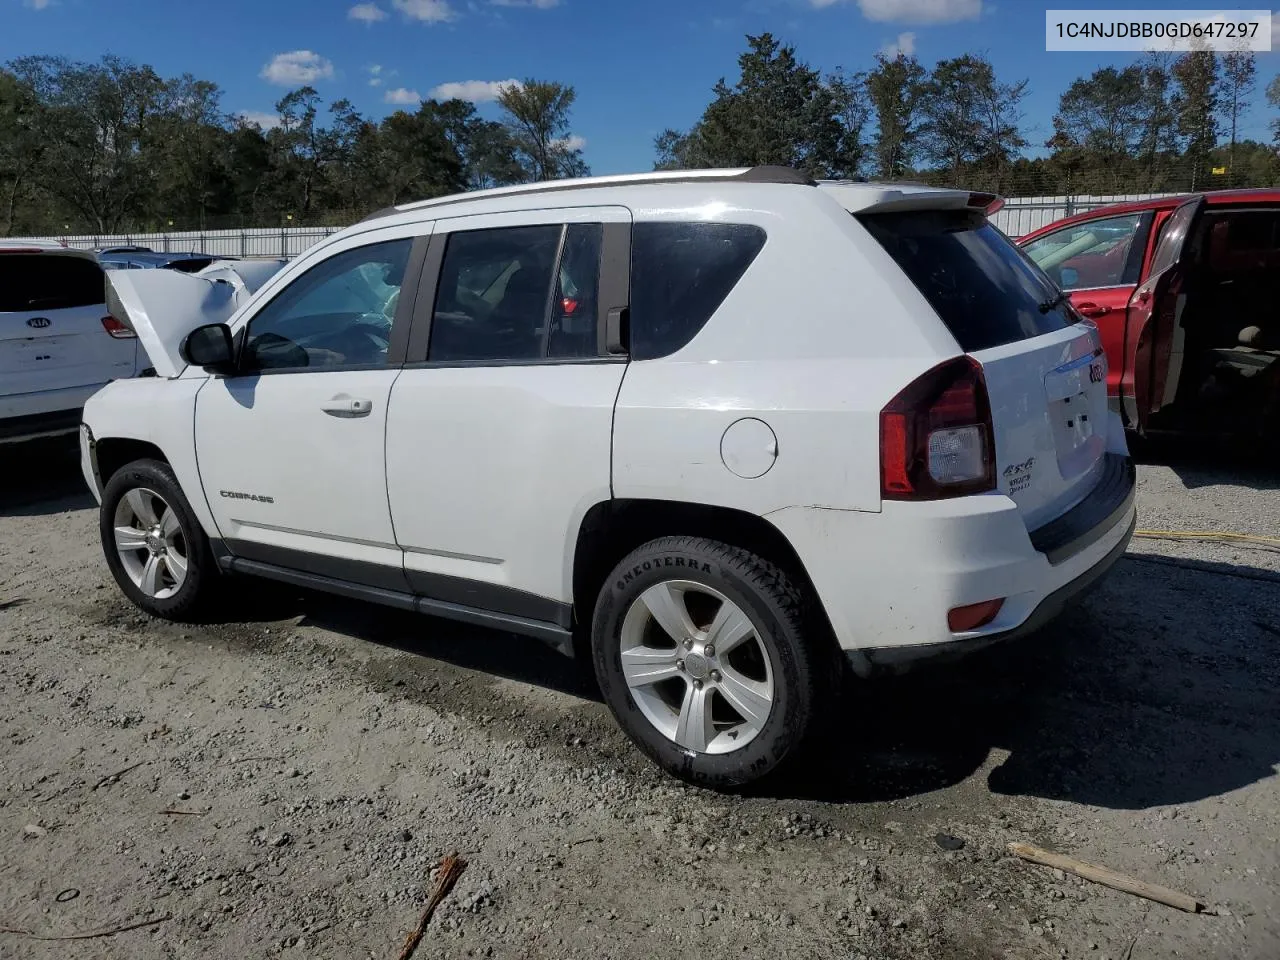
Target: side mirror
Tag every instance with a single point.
(1068, 277)
(210, 347)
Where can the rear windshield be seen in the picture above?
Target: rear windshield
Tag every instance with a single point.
(40, 281)
(986, 290)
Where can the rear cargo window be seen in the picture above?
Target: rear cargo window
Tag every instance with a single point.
(40, 281)
(985, 290)
(680, 274)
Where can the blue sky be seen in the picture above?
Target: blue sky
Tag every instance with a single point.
(637, 67)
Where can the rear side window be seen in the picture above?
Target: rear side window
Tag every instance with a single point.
(984, 289)
(680, 274)
(37, 281)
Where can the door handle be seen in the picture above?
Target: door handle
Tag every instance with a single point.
(344, 406)
(1090, 309)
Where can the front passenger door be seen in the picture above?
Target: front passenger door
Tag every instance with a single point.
(290, 449)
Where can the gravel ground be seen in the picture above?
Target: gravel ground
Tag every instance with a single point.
(281, 783)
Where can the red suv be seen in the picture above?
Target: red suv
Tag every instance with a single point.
(1185, 292)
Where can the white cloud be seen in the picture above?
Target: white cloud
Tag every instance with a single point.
(368, 12)
(477, 91)
(539, 4)
(266, 121)
(905, 45)
(571, 142)
(402, 95)
(920, 11)
(428, 11)
(297, 66)
(913, 11)
(375, 74)
(37, 4)
(1275, 31)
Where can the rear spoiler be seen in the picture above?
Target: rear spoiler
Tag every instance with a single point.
(890, 198)
(163, 306)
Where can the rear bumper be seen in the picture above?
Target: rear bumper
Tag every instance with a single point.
(1048, 608)
(887, 580)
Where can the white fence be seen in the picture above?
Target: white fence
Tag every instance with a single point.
(249, 242)
(1020, 215)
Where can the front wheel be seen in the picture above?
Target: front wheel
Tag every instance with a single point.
(706, 656)
(154, 546)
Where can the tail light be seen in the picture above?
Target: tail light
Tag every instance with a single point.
(116, 329)
(569, 305)
(936, 438)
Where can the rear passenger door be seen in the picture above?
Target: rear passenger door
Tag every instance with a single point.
(499, 429)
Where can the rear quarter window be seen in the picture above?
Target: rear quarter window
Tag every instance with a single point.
(39, 281)
(680, 274)
(985, 290)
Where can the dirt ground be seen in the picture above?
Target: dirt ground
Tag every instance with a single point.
(281, 783)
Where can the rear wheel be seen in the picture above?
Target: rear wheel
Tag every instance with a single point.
(154, 546)
(701, 652)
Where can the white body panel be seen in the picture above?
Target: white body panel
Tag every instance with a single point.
(491, 469)
(268, 436)
(484, 471)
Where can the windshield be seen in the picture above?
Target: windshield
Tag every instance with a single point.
(984, 289)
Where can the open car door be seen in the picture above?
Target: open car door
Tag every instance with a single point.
(1152, 332)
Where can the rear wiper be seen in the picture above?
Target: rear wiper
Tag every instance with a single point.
(1057, 300)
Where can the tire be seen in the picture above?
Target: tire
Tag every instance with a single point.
(144, 496)
(764, 693)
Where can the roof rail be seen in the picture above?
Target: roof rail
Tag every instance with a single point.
(759, 174)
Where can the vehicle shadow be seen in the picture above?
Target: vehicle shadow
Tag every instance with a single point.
(477, 649)
(41, 478)
(1201, 462)
(1149, 694)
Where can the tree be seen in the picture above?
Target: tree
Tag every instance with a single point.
(1239, 78)
(98, 124)
(1195, 105)
(1273, 98)
(20, 147)
(780, 111)
(1101, 114)
(894, 88)
(970, 119)
(537, 119)
(1158, 121)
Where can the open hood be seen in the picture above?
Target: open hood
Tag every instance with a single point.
(163, 306)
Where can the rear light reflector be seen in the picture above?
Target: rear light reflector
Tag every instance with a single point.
(116, 329)
(936, 436)
(973, 616)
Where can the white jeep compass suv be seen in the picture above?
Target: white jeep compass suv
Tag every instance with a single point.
(720, 431)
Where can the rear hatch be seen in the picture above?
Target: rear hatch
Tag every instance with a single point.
(1044, 367)
(52, 335)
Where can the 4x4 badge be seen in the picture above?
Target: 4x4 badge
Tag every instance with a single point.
(39, 322)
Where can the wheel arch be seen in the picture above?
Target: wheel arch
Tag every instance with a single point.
(112, 453)
(613, 528)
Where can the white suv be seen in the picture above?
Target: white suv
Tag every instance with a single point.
(719, 431)
(58, 344)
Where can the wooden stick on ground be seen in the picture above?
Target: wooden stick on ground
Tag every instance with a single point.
(451, 868)
(109, 932)
(1109, 878)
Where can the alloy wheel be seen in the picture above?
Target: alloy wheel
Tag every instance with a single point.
(697, 667)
